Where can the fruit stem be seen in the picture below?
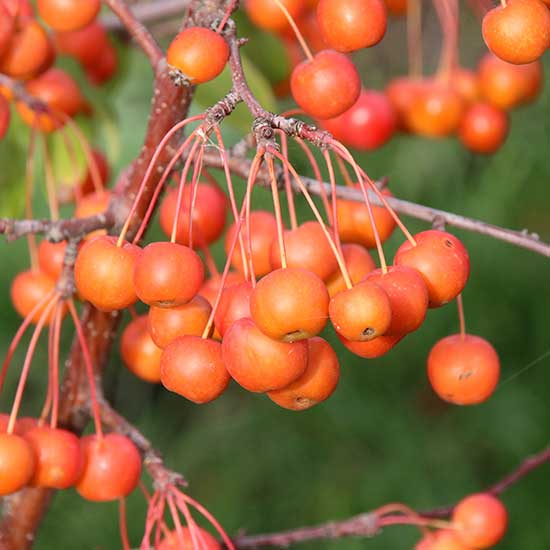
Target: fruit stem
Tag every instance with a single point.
(414, 37)
(318, 176)
(50, 181)
(288, 186)
(418, 521)
(202, 510)
(194, 188)
(178, 526)
(332, 179)
(149, 170)
(231, 191)
(27, 363)
(29, 188)
(461, 319)
(87, 149)
(299, 36)
(181, 188)
(236, 238)
(403, 509)
(158, 188)
(58, 320)
(209, 260)
(388, 207)
(317, 214)
(277, 208)
(341, 150)
(89, 368)
(344, 171)
(448, 19)
(123, 524)
(232, 6)
(252, 175)
(19, 334)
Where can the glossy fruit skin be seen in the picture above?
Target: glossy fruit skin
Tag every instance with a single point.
(28, 289)
(209, 214)
(318, 382)
(408, 296)
(354, 222)
(463, 370)
(358, 262)
(138, 351)
(367, 125)
(373, 348)
(193, 367)
(436, 111)
(85, 44)
(349, 25)
(263, 230)
(442, 539)
(200, 54)
(441, 259)
(172, 541)
(51, 257)
(267, 15)
(361, 313)
(27, 52)
(59, 92)
(258, 363)
(58, 457)
(103, 273)
(308, 248)
(167, 274)
(17, 463)
(481, 520)
(112, 467)
(290, 304)
(484, 128)
(326, 86)
(234, 305)
(68, 15)
(518, 32)
(506, 85)
(168, 323)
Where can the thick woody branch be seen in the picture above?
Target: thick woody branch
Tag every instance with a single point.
(136, 30)
(522, 239)
(56, 231)
(369, 524)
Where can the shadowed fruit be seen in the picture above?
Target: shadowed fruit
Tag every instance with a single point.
(484, 128)
(112, 467)
(373, 348)
(259, 363)
(441, 259)
(463, 370)
(316, 384)
(267, 15)
(27, 290)
(193, 367)
(234, 305)
(358, 262)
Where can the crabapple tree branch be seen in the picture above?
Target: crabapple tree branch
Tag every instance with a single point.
(370, 523)
(522, 239)
(149, 12)
(136, 30)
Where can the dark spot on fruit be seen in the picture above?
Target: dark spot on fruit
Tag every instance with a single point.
(449, 243)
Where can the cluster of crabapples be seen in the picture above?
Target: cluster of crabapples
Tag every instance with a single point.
(478, 522)
(31, 38)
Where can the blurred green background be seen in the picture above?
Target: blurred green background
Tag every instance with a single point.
(383, 436)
